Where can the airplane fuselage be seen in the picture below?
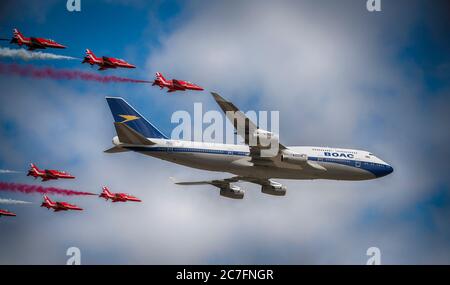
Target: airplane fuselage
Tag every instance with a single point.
(340, 164)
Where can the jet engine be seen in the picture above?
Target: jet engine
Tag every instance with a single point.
(274, 188)
(294, 158)
(232, 191)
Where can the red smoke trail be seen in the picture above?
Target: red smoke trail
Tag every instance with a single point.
(61, 74)
(28, 189)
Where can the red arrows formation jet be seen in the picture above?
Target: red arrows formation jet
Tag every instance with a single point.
(117, 197)
(105, 62)
(34, 43)
(174, 84)
(58, 206)
(48, 174)
(6, 213)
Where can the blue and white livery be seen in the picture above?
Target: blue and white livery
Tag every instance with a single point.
(135, 133)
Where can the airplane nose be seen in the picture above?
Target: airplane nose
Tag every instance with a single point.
(389, 169)
(383, 170)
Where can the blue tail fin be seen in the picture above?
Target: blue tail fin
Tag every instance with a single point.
(125, 114)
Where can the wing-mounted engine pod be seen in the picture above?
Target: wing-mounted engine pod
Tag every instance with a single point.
(275, 189)
(294, 158)
(232, 191)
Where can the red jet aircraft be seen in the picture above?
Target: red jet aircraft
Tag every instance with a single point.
(174, 84)
(34, 43)
(117, 197)
(6, 213)
(48, 174)
(58, 206)
(105, 62)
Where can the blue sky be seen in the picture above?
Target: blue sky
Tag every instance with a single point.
(339, 75)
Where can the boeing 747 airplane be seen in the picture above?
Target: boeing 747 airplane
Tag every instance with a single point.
(246, 162)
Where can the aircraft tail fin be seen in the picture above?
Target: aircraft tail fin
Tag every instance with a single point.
(34, 169)
(48, 200)
(89, 52)
(90, 56)
(17, 33)
(161, 78)
(130, 125)
(106, 191)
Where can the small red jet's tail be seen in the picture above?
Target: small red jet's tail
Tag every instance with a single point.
(161, 77)
(91, 58)
(160, 80)
(18, 37)
(34, 167)
(48, 203)
(34, 171)
(106, 193)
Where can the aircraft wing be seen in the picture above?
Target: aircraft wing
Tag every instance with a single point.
(50, 174)
(178, 84)
(60, 207)
(36, 43)
(220, 183)
(107, 61)
(261, 154)
(247, 129)
(226, 182)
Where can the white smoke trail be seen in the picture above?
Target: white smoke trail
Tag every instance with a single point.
(31, 55)
(13, 202)
(6, 171)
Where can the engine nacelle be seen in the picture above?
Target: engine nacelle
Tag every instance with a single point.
(275, 188)
(233, 192)
(294, 158)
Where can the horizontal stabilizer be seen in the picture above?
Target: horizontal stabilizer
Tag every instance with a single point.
(129, 136)
(116, 149)
(194, 183)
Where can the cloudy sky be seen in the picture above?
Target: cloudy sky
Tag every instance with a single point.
(339, 75)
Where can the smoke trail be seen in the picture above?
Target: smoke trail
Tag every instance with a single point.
(6, 171)
(28, 189)
(61, 74)
(30, 55)
(13, 202)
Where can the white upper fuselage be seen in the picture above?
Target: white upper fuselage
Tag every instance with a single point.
(340, 164)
